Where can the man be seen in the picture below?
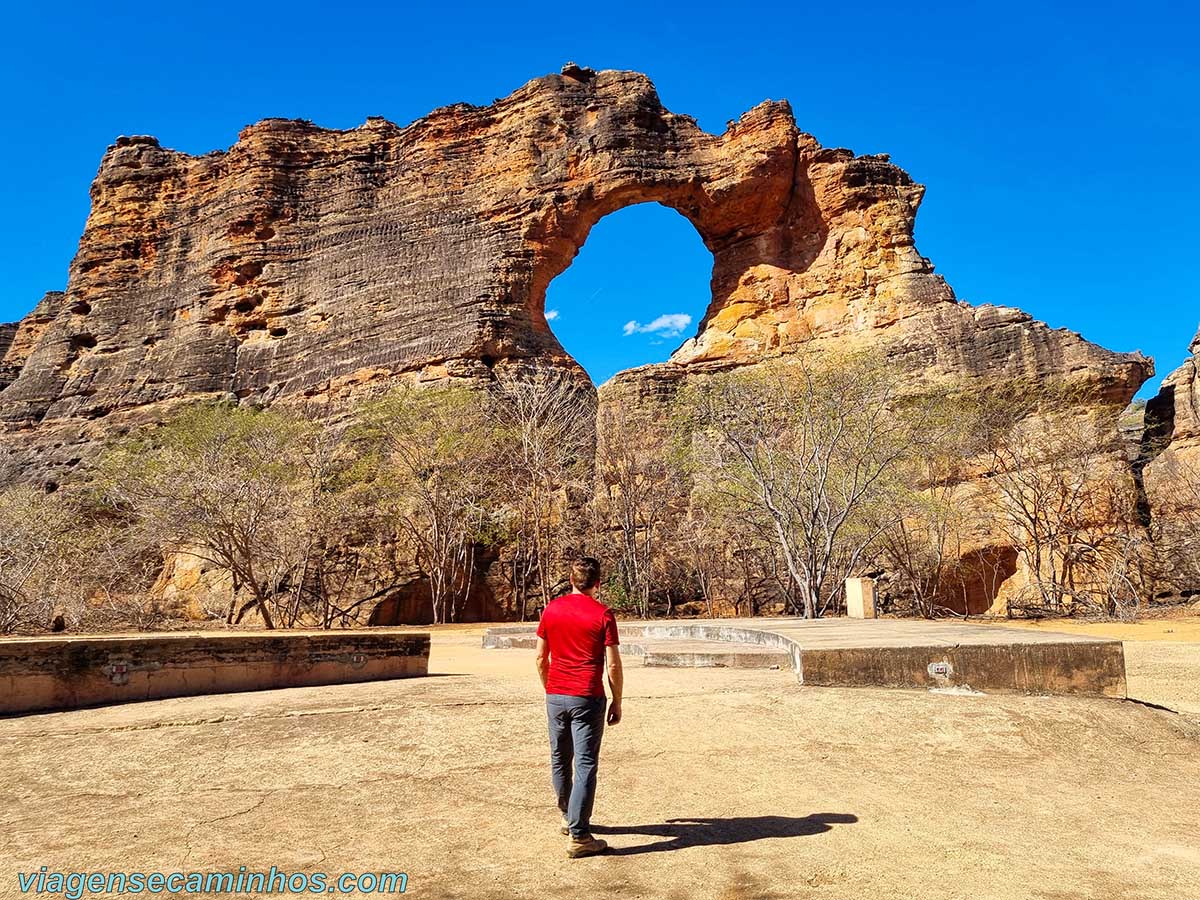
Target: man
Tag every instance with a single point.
(576, 637)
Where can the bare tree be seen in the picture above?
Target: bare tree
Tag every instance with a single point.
(641, 494)
(1062, 492)
(814, 446)
(1174, 497)
(938, 511)
(34, 533)
(437, 472)
(67, 562)
(549, 422)
(235, 487)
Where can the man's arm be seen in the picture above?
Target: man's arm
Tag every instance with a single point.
(616, 682)
(543, 659)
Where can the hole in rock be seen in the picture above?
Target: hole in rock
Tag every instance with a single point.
(637, 290)
(83, 341)
(247, 272)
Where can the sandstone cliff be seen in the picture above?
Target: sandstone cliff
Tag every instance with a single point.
(17, 340)
(1173, 415)
(310, 264)
(1171, 449)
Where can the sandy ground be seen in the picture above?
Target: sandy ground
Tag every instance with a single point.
(1177, 629)
(1162, 656)
(720, 783)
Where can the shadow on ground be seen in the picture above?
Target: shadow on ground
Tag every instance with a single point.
(715, 832)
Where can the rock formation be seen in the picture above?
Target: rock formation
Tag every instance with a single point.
(1173, 415)
(18, 339)
(1170, 465)
(310, 264)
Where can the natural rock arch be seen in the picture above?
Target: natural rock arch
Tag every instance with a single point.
(653, 258)
(311, 264)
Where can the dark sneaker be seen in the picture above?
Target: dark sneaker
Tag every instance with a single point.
(585, 846)
(566, 828)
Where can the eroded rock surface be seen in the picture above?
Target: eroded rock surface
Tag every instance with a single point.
(310, 264)
(1171, 448)
(1173, 416)
(18, 339)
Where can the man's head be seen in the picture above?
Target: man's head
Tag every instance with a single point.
(585, 575)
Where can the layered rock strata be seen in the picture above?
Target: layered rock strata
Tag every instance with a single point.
(1173, 415)
(310, 264)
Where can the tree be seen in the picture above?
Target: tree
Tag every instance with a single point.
(434, 456)
(936, 511)
(1056, 479)
(549, 422)
(640, 496)
(64, 559)
(240, 488)
(34, 556)
(1174, 496)
(812, 447)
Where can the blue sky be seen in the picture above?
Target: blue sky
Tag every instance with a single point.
(1058, 141)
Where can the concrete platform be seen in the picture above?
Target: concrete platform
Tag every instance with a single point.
(665, 652)
(882, 652)
(65, 672)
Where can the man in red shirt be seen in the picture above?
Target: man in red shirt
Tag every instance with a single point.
(576, 637)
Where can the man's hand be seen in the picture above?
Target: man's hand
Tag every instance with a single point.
(614, 712)
(616, 681)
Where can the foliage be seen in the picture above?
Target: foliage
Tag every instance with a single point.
(64, 560)
(810, 449)
(434, 460)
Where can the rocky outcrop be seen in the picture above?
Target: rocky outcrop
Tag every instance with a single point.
(18, 339)
(1173, 415)
(305, 264)
(1170, 472)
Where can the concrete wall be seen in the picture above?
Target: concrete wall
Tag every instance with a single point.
(67, 672)
(881, 653)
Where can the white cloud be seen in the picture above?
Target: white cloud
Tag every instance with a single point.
(668, 325)
(551, 315)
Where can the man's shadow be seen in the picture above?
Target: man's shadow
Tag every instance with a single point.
(713, 832)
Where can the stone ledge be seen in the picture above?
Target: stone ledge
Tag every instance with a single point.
(678, 647)
(47, 673)
(888, 653)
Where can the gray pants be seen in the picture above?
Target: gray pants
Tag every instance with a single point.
(576, 727)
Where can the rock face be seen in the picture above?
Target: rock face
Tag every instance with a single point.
(18, 339)
(309, 264)
(1171, 475)
(1173, 416)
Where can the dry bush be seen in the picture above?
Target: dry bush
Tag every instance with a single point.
(810, 450)
(62, 557)
(1062, 492)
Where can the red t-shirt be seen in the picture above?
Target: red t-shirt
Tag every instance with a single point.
(578, 628)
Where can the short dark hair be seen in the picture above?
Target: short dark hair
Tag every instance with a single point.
(585, 573)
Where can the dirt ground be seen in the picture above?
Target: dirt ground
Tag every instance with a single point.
(1162, 656)
(720, 783)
